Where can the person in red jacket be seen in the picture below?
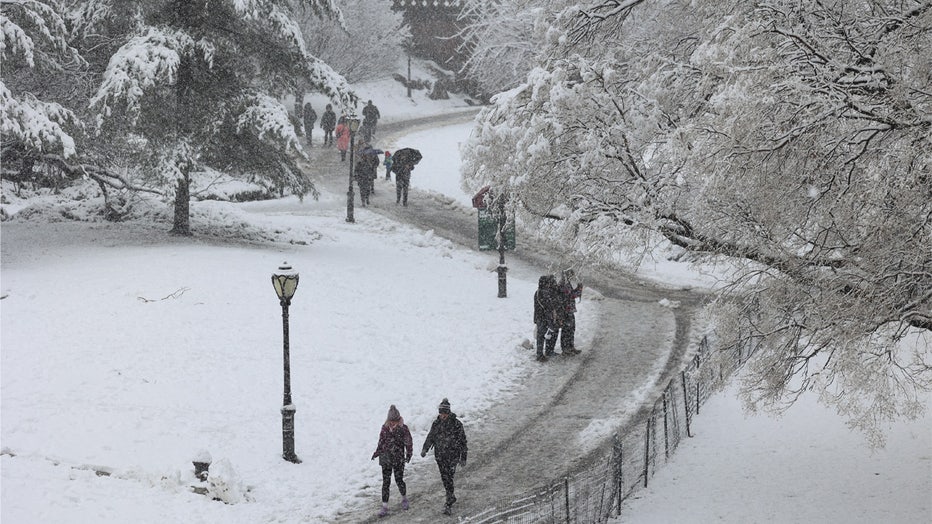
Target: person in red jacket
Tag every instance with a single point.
(394, 449)
(342, 133)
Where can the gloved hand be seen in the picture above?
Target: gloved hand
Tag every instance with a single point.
(462, 461)
(408, 459)
(423, 453)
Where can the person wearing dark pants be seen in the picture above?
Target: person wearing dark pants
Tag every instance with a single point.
(568, 295)
(448, 439)
(546, 305)
(328, 122)
(403, 162)
(402, 181)
(394, 449)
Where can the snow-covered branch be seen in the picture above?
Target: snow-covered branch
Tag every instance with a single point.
(37, 125)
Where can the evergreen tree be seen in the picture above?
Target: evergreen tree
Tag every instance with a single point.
(37, 59)
(201, 82)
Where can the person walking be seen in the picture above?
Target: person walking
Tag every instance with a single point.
(310, 116)
(546, 319)
(448, 440)
(366, 171)
(342, 133)
(403, 162)
(328, 122)
(370, 117)
(388, 165)
(567, 294)
(394, 449)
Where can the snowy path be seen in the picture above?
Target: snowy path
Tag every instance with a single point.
(534, 436)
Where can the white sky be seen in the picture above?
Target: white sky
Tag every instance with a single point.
(93, 377)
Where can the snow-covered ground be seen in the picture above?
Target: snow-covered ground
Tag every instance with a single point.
(804, 467)
(126, 351)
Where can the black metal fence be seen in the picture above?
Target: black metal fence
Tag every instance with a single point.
(596, 493)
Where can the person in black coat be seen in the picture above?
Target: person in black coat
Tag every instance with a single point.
(366, 171)
(370, 117)
(448, 439)
(568, 294)
(310, 116)
(403, 162)
(328, 122)
(547, 306)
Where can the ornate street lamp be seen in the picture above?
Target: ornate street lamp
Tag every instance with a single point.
(353, 122)
(285, 282)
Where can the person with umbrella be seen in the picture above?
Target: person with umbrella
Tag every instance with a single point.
(403, 162)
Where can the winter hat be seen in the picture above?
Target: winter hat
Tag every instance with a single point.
(444, 406)
(393, 413)
(388, 153)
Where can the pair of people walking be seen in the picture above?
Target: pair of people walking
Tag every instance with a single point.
(446, 437)
(555, 315)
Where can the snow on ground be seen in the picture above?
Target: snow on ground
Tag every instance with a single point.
(804, 467)
(127, 352)
(132, 357)
(391, 98)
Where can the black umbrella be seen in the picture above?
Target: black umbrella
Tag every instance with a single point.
(407, 156)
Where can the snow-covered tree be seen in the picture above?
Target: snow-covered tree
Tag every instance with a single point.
(34, 50)
(201, 81)
(366, 45)
(503, 39)
(792, 137)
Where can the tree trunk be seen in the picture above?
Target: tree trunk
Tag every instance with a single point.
(299, 112)
(182, 224)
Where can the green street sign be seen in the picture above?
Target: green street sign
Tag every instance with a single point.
(488, 228)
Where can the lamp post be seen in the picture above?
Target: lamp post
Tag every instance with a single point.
(353, 122)
(285, 282)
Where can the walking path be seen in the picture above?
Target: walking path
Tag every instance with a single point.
(534, 436)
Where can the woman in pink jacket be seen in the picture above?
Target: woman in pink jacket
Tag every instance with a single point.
(342, 134)
(394, 449)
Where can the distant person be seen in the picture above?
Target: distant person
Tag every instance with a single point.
(448, 439)
(366, 171)
(388, 165)
(567, 294)
(395, 448)
(546, 306)
(370, 117)
(310, 116)
(342, 133)
(328, 122)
